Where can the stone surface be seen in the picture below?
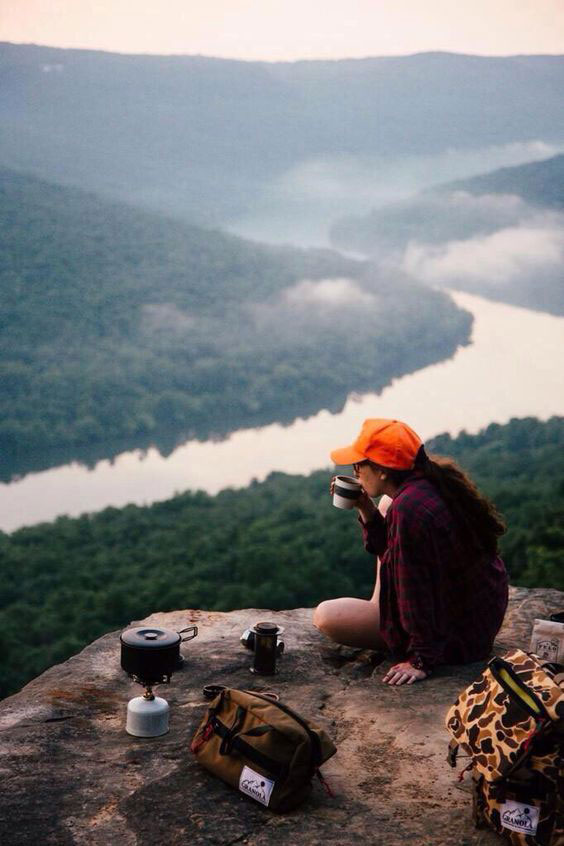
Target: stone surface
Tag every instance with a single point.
(71, 775)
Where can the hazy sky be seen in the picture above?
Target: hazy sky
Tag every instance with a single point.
(289, 29)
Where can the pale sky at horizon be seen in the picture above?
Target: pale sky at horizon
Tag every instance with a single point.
(273, 30)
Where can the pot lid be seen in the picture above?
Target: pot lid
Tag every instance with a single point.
(146, 637)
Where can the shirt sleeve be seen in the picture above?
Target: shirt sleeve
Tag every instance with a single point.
(415, 583)
(374, 534)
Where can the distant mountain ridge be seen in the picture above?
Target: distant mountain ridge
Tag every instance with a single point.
(198, 136)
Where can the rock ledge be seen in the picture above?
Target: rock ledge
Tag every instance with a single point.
(71, 775)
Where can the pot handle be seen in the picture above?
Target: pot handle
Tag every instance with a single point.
(193, 629)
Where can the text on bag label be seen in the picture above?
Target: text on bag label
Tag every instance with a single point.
(257, 786)
(519, 816)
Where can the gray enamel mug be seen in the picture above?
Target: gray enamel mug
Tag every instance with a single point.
(346, 491)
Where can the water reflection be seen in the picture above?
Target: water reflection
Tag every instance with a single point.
(164, 442)
(511, 369)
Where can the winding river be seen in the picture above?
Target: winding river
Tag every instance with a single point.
(512, 368)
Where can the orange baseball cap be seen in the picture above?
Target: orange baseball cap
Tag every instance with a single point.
(390, 443)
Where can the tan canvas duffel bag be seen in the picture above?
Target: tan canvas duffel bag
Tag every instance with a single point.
(261, 747)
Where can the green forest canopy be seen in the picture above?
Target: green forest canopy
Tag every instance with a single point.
(118, 323)
(277, 544)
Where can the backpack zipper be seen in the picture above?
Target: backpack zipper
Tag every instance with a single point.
(517, 690)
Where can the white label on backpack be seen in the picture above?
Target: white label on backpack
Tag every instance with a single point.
(519, 817)
(256, 786)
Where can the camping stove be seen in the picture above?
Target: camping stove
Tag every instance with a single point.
(149, 655)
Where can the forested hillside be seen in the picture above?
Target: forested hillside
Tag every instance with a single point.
(457, 210)
(279, 544)
(499, 235)
(117, 323)
(541, 183)
(454, 211)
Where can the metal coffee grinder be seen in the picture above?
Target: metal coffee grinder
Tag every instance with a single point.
(264, 639)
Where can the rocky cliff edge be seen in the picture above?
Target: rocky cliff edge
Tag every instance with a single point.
(70, 774)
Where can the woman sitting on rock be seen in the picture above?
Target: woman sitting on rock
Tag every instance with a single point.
(441, 588)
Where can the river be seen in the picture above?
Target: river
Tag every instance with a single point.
(512, 368)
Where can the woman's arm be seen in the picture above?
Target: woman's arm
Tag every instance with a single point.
(373, 524)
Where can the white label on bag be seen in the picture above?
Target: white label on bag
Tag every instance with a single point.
(547, 649)
(519, 817)
(547, 640)
(256, 786)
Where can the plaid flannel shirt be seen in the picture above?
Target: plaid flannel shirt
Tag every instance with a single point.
(439, 601)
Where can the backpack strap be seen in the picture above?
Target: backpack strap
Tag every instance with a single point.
(452, 753)
(478, 815)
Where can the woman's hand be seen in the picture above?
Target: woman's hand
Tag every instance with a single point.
(403, 673)
(363, 503)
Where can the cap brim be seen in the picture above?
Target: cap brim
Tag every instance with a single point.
(347, 455)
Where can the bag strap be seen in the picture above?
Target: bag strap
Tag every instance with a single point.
(228, 736)
(234, 742)
(315, 743)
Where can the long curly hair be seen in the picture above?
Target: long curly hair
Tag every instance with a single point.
(475, 515)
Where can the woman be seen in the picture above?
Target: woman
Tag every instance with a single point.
(441, 588)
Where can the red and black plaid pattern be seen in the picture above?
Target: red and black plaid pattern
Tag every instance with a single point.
(440, 602)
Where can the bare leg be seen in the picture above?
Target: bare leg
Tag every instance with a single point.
(354, 622)
(350, 621)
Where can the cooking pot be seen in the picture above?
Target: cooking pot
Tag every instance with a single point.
(152, 654)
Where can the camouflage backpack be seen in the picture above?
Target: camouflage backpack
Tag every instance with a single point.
(510, 725)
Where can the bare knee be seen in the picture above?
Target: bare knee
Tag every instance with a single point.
(322, 616)
(332, 617)
(353, 622)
